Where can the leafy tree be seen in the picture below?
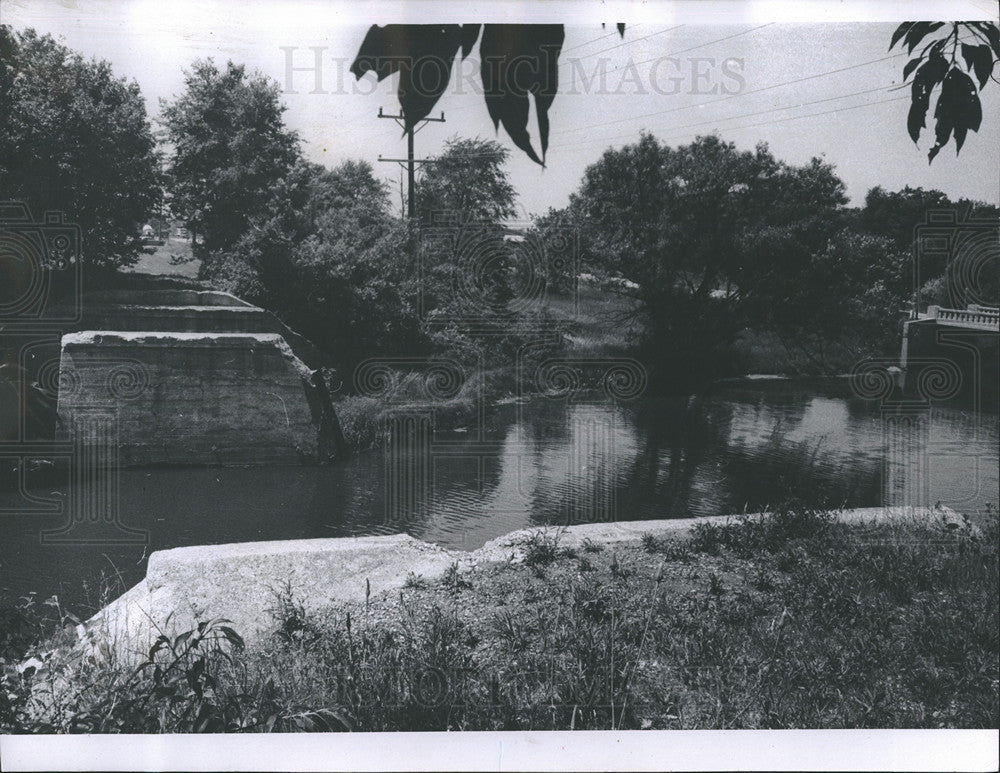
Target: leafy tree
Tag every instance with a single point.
(230, 149)
(841, 303)
(897, 215)
(551, 231)
(354, 272)
(463, 198)
(703, 230)
(75, 138)
(468, 181)
(471, 278)
(330, 260)
(357, 296)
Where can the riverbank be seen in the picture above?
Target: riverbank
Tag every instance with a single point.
(796, 618)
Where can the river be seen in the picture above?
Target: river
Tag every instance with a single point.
(744, 446)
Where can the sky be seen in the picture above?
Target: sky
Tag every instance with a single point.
(807, 82)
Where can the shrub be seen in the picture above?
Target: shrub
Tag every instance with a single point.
(541, 549)
(453, 579)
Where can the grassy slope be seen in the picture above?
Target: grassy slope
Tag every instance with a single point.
(794, 621)
(595, 324)
(173, 258)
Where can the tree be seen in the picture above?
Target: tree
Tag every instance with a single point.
(75, 138)
(702, 230)
(467, 180)
(842, 303)
(463, 198)
(330, 260)
(230, 148)
(357, 291)
(470, 275)
(553, 232)
(898, 215)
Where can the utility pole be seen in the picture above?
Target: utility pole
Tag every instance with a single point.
(410, 161)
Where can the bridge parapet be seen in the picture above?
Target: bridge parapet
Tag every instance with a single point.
(975, 316)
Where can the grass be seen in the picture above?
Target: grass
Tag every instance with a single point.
(594, 326)
(364, 420)
(790, 621)
(173, 258)
(598, 322)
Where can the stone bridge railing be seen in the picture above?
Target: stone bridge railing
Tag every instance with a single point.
(979, 317)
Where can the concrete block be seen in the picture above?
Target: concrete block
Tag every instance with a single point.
(243, 582)
(191, 398)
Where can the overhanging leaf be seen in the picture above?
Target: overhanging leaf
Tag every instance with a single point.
(978, 59)
(910, 66)
(935, 46)
(918, 32)
(967, 107)
(518, 60)
(958, 110)
(992, 33)
(422, 54)
(926, 78)
(470, 34)
(901, 30)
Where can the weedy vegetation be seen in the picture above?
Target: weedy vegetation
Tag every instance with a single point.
(791, 620)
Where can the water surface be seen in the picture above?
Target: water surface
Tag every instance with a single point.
(745, 446)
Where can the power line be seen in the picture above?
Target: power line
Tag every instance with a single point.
(601, 37)
(777, 120)
(676, 129)
(559, 148)
(731, 96)
(709, 43)
(812, 115)
(736, 117)
(585, 56)
(623, 43)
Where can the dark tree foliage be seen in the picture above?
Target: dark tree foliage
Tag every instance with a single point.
(899, 216)
(551, 231)
(939, 66)
(76, 139)
(965, 272)
(331, 262)
(468, 181)
(230, 148)
(840, 303)
(711, 237)
(468, 270)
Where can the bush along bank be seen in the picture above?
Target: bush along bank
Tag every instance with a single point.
(792, 620)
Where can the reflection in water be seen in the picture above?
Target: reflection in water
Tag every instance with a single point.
(742, 447)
